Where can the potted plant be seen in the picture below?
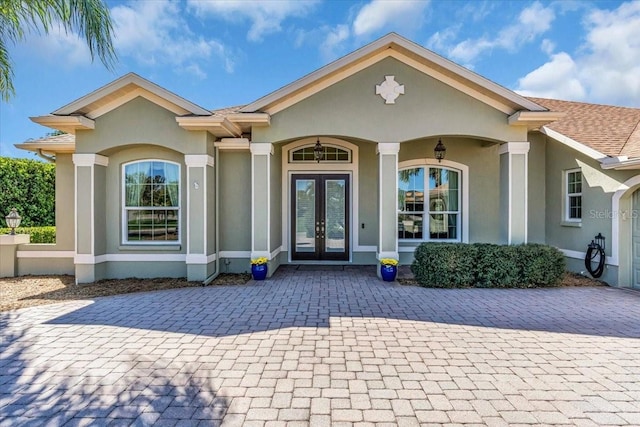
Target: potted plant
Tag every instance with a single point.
(388, 269)
(259, 268)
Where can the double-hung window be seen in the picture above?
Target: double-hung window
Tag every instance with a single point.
(573, 200)
(429, 204)
(151, 205)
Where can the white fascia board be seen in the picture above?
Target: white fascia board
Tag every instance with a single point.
(131, 78)
(620, 163)
(534, 119)
(65, 123)
(253, 119)
(232, 144)
(587, 151)
(49, 147)
(387, 42)
(217, 125)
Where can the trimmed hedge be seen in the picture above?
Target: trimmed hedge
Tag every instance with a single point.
(38, 234)
(484, 265)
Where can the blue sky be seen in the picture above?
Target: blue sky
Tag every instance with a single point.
(223, 53)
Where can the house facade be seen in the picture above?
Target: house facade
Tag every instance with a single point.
(335, 168)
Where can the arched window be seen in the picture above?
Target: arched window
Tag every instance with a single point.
(429, 203)
(151, 202)
(330, 153)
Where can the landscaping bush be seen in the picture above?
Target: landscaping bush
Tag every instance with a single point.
(444, 265)
(38, 234)
(481, 265)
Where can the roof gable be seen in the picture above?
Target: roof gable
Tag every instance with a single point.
(124, 89)
(393, 45)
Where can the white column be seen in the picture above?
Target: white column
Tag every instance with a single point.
(388, 199)
(197, 215)
(86, 186)
(261, 199)
(514, 159)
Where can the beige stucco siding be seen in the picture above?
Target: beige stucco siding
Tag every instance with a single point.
(351, 108)
(235, 200)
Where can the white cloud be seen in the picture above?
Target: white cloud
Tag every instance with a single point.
(153, 33)
(379, 14)
(333, 41)
(59, 46)
(532, 22)
(606, 66)
(266, 16)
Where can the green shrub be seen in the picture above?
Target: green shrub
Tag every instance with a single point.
(481, 265)
(38, 234)
(444, 265)
(29, 186)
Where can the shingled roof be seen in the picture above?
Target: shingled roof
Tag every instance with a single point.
(614, 131)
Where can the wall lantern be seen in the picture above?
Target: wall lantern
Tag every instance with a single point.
(318, 151)
(439, 151)
(13, 221)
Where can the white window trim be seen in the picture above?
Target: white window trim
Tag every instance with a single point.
(463, 216)
(123, 208)
(339, 147)
(566, 195)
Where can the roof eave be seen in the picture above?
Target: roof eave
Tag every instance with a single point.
(534, 119)
(48, 147)
(68, 124)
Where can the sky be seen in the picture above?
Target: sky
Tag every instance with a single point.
(224, 53)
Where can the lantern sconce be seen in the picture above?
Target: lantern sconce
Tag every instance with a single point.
(439, 151)
(13, 221)
(318, 151)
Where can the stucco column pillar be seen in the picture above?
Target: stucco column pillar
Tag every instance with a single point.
(200, 233)
(8, 248)
(388, 200)
(513, 191)
(90, 230)
(261, 199)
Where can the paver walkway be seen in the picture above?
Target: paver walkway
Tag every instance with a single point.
(325, 348)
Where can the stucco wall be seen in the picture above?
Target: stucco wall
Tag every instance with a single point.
(537, 189)
(351, 108)
(368, 197)
(235, 200)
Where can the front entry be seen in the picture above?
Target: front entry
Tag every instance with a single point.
(320, 217)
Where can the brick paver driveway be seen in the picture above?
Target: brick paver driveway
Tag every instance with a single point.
(326, 348)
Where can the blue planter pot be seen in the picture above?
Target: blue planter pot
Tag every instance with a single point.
(388, 272)
(259, 271)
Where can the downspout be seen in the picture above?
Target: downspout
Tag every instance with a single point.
(50, 159)
(216, 272)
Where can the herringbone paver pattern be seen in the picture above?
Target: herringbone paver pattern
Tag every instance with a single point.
(321, 348)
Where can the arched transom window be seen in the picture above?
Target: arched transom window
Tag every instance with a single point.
(151, 205)
(429, 203)
(331, 153)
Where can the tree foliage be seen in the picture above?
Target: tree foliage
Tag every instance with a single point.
(29, 186)
(89, 18)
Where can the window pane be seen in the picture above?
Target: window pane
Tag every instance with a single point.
(152, 225)
(410, 226)
(575, 207)
(443, 226)
(305, 215)
(411, 190)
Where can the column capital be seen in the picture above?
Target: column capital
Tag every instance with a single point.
(388, 147)
(198, 160)
(515, 147)
(90, 160)
(261, 148)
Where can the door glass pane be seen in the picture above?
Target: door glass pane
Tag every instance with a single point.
(335, 221)
(305, 240)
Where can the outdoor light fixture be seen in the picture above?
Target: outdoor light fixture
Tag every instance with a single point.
(13, 220)
(318, 151)
(439, 151)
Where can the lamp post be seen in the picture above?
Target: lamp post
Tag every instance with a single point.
(439, 151)
(13, 221)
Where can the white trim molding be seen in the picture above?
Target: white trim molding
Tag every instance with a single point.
(581, 148)
(512, 149)
(235, 254)
(90, 160)
(198, 160)
(200, 258)
(261, 148)
(45, 254)
(387, 148)
(581, 255)
(98, 259)
(621, 228)
(388, 254)
(232, 144)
